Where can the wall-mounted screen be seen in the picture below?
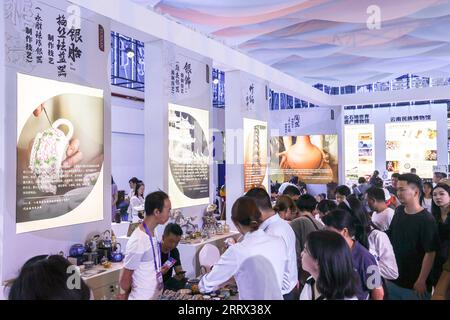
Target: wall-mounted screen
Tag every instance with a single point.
(313, 158)
(59, 154)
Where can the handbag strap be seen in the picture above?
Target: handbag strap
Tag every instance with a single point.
(313, 222)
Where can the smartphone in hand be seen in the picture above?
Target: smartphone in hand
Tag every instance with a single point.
(169, 263)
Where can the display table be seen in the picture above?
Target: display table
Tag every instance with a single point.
(189, 252)
(103, 282)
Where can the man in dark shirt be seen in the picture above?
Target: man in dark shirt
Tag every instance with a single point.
(414, 237)
(171, 238)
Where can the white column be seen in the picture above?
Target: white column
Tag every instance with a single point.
(234, 142)
(155, 119)
(2, 139)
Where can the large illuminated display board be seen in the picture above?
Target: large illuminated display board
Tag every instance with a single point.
(59, 154)
(359, 151)
(188, 156)
(313, 158)
(411, 145)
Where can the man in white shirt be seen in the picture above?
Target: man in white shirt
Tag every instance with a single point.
(382, 215)
(274, 225)
(141, 277)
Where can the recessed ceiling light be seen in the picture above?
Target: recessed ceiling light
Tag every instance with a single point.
(130, 53)
(216, 81)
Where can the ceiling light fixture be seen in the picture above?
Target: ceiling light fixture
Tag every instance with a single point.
(216, 81)
(129, 52)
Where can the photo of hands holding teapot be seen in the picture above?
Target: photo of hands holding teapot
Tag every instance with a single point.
(53, 150)
(73, 155)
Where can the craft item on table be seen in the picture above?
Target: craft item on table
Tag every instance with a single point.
(210, 224)
(186, 223)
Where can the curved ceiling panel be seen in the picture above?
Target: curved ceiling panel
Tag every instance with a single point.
(326, 41)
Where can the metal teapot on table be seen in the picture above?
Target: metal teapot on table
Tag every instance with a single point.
(117, 255)
(92, 244)
(105, 241)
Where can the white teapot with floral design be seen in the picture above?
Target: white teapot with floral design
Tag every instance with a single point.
(48, 152)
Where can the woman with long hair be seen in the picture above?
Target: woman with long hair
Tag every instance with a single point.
(137, 202)
(440, 208)
(342, 222)
(427, 195)
(327, 258)
(378, 241)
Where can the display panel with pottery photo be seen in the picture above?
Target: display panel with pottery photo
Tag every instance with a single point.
(255, 154)
(313, 158)
(59, 154)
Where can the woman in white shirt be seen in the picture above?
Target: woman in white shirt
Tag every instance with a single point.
(137, 202)
(132, 182)
(427, 196)
(328, 259)
(257, 262)
(381, 248)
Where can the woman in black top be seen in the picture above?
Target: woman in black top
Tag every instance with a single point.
(439, 209)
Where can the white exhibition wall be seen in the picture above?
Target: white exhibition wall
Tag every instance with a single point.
(17, 248)
(163, 62)
(127, 140)
(381, 116)
(313, 121)
(245, 98)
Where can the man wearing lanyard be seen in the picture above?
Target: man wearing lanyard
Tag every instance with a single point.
(141, 277)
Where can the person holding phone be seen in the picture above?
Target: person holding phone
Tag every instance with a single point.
(170, 258)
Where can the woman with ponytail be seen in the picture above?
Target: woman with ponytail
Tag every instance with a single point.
(257, 262)
(373, 239)
(344, 223)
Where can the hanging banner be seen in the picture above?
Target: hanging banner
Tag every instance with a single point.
(188, 156)
(255, 154)
(359, 151)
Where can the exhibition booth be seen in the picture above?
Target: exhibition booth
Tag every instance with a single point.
(66, 129)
